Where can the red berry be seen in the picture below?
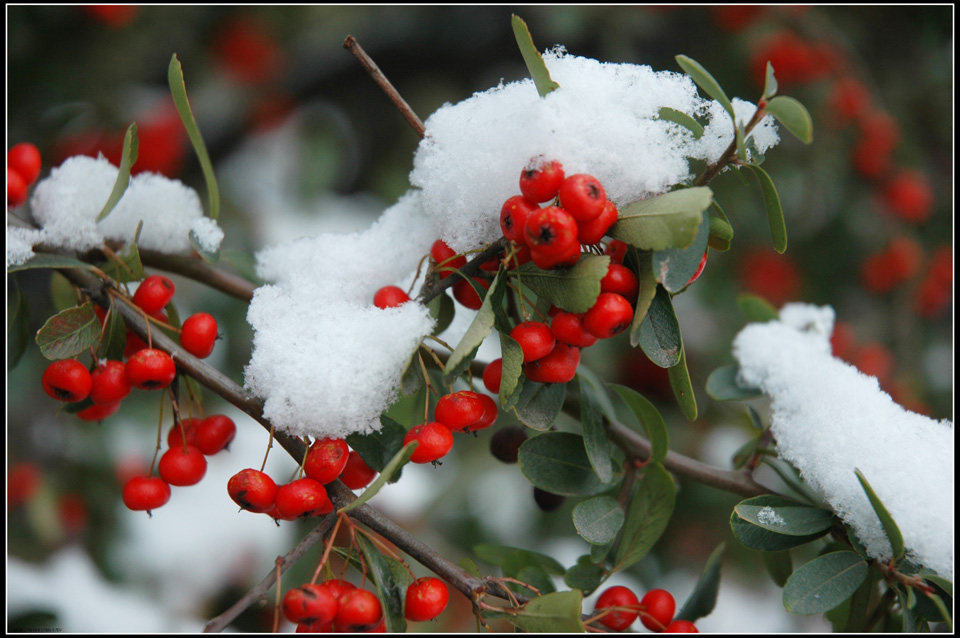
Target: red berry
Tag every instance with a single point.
(182, 465)
(215, 433)
(621, 280)
(771, 276)
(113, 15)
(150, 369)
(896, 264)
(252, 490)
(326, 460)
(110, 383)
(681, 627)
(98, 412)
(593, 230)
(25, 159)
(583, 197)
(540, 181)
(617, 250)
(551, 231)
(459, 410)
(359, 610)
(618, 596)
(546, 261)
(559, 366)
(73, 514)
(67, 380)
(434, 441)
(302, 498)
(609, 316)
(16, 189)
(153, 294)
(426, 598)
(23, 481)
(466, 294)
(337, 587)
(513, 217)
(246, 51)
(492, 375)
(309, 604)
(198, 334)
(703, 263)
(850, 99)
(145, 493)
(185, 429)
(490, 412)
(390, 297)
(446, 258)
(872, 153)
(909, 196)
(356, 473)
(568, 328)
(658, 606)
(535, 339)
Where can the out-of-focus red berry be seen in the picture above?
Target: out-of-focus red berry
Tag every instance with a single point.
(247, 52)
(114, 16)
(770, 275)
(794, 60)
(736, 17)
(849, 100)
(909, 196)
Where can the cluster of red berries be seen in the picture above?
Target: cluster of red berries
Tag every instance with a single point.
(655, 610)
(23, 168)
(463, 411)
(24, 481)
(327, 460)
(183, 464)
(894, 265)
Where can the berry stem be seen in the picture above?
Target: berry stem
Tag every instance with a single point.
(327, 547)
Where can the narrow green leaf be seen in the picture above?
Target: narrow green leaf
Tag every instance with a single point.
(722, 385)
(721, 234)
(531, 57)
(114, 336)
(63, 294)
(128, 158)
(479, 328)
(650, 419)
(660, 331)
(557, 462)
(515, 559)
(824, 583)
(704, 597)
(778, 226)
(598, 520)
(674, 268)
(42, 260)
(794, 117)
(398, 461)
(705, 81)
(756, 309)
(647, 289)
(540, 403)
(745, 452)
(779, 565)
(179, 91)
(598, 390)
(784, 517)
(681, 118)
(69, 333)
(468, 564)
(554, 613)
(648, 514)
(574, 289)
(741, 142)
(770, 83)
(856, 620)
(682, 387)
(18, 326)
(663, 222)
(890, 527)
(511, 377)
(594, 434)
(443, 310)
(391, 590)
(762, 538)
(379, 447)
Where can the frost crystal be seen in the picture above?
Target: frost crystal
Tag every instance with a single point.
(768, 516)
(830, 419)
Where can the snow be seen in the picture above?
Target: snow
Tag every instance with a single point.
(830, 419)
(66, 205)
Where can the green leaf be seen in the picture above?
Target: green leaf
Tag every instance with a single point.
(554, 613)
(594, 433)
(783, 516)
(794, 117)
(770, 83)
(130, 267)
(779, 565)
(651, 420)
(197, 245)
(598, 390)
(681, 118)
(574, 289)
(648, 515)
(531, 57)
(390, 588)
(705, 81)
(479, 328)
(741, 143)
(722, 385)
(778, 226)
(704, 597)
(470, 566)
(584, 576)
(114, 339)
(757, 537)
(557, 462)
(660, 331)
(69, 333)
(682, 387)
(242, 262)
(42, 260)
(443, 310)
(179, 91)
(128, 158)
(647, 290)
(824, 583)
(540, 403)
(598, 520)
(378, 448)
(663, 222)
(721, 234)
(890, 527)
(745, 452)
(756, 309)
(63, 294)
(18, 326)
(514, 559)
(398, 461)
(511, 377)
(674, 268)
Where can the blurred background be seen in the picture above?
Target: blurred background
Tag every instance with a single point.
(304, 142)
